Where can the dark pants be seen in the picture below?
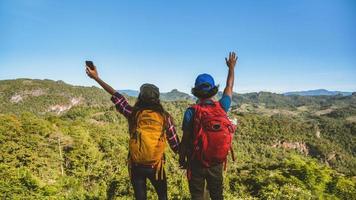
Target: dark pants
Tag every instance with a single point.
(139, 174)
(213, 177)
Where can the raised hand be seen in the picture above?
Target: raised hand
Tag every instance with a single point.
(231, 61)
(92, 72)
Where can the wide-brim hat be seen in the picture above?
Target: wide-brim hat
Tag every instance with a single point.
(149, 92)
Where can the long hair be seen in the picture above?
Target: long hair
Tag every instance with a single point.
(140, 105)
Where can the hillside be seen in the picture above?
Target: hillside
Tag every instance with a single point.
(318, 92)
(67, 142)
(41, 96)
(176, 95)
(131, 93)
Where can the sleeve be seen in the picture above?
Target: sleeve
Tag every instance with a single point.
(187, 127)
(187, 124)
(121, 104)
(171, 135)
(225, 102)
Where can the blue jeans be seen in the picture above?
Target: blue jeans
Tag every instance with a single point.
(139, 175)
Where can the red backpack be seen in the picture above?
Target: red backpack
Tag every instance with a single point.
(213, 133)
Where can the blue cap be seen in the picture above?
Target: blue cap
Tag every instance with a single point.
(204, 82)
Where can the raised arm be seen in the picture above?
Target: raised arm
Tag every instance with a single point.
(121, 103)
(230, 62)
(93, 73)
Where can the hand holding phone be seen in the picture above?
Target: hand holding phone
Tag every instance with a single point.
(91, 70)
(90, 64)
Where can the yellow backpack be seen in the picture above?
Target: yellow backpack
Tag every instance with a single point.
(148, 141)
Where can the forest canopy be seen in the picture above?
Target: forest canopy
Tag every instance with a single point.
(67, 142)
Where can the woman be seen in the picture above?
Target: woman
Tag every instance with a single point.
(150, 126)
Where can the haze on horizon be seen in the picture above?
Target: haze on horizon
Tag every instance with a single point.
(282, 45)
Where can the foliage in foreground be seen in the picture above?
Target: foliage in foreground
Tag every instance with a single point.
(91, 149)
(286, 147)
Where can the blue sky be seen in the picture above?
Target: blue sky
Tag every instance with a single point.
(283, 45)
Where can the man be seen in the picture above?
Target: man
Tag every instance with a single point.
(207, 135)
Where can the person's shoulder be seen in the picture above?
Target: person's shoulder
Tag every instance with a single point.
(187, 118)
(225, 97)
(189, 111)
(225, 102)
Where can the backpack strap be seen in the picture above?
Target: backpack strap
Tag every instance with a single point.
(134, 123)
(197, 131)
(232, 154)
(160, 170)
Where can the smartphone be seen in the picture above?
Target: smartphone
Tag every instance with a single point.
(90, 64)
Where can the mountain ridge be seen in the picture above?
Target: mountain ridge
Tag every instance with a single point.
(58, 96)
(318, 92)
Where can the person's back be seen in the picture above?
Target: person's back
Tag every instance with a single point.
(150, 127)
(207, 135)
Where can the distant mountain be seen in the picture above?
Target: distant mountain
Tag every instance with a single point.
(281, 101)
(131, 93)
(318, 92)
(173, 95)
(176, 95)
(43, 96)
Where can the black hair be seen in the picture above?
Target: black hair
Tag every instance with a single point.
(202, 94)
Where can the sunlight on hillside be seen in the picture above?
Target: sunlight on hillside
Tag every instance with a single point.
(286, 147)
